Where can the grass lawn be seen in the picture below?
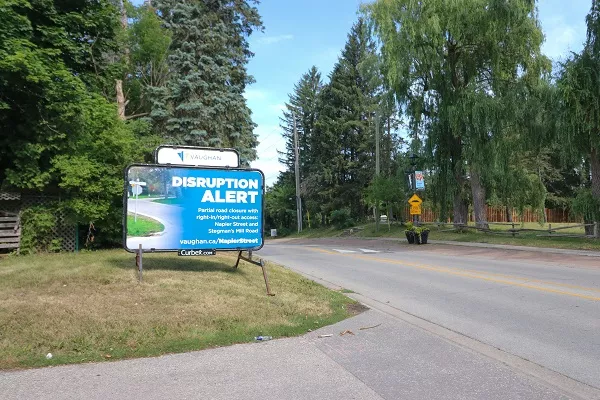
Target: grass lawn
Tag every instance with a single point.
(89, 306)
(146, 196)
(144, 226)
(170, 200)
(502, 236)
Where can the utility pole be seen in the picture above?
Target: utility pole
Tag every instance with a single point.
(297, 169)
(377, 169)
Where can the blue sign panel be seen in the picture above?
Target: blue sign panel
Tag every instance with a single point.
(193, 208)
(419, 180)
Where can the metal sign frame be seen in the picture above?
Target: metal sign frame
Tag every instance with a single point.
(209, 149)
(189, 167)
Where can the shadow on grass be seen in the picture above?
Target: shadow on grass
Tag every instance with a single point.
(170, 263)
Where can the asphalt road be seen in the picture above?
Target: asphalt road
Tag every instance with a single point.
(542, 308)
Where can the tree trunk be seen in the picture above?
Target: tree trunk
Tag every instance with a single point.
(123, 14)
(595, 170)
(460, 203)
(121, 103)
(461, 210)
(478, 192)
(509, 217)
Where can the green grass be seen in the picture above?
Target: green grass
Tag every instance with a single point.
(522, 239)
(89, 306)
(501, 235)
(144, 226)
(147, 196)
(170, 200)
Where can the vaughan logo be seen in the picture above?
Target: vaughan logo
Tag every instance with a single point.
(180, 154)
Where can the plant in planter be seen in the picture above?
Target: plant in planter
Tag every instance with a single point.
(421, 234)
(410, 232)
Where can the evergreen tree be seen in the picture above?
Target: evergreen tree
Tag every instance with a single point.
(343, 143)
(203, 103)
(303, 104)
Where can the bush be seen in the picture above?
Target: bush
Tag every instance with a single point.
(341, 219)
(586, 206)
(38, 230)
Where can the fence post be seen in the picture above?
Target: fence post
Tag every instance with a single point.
(549, 229)
(597, 229)
(513, 229)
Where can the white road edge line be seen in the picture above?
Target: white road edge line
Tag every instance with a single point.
(369, 251)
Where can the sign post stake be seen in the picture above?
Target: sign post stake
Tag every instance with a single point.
(264, 271)
(259, 263)
(138, 263)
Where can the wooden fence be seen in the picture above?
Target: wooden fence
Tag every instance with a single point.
(498, 214)
(10, 232)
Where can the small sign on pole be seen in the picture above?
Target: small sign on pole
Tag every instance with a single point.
(136, 188)
(419, 180)
(415, 205)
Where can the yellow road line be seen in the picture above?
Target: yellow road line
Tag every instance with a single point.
(457, 272)
(567, 285)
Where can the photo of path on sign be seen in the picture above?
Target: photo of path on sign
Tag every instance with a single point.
(193, 208)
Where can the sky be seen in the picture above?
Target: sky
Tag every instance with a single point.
(301, 33)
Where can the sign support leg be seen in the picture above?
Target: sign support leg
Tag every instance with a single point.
(138, 263)
(238, 260)
(259, 263)
(264, 271)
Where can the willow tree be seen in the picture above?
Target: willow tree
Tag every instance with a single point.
(454, 65)
(579, 86)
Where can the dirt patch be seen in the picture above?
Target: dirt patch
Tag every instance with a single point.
(356, 308)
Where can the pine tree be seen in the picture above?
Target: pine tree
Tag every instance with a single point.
(343, 143)
(203, 103)
(303, 104)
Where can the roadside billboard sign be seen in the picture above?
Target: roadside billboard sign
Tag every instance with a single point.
(198, 156)
(194, 209)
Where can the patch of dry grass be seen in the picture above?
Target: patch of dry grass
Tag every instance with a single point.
(90, 307)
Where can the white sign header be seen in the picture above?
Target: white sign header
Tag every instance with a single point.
(198, 157)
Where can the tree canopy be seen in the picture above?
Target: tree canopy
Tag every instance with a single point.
(83, 85)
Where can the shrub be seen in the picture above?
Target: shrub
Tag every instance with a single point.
(341, 219)
(38, 230)
(586, 206)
